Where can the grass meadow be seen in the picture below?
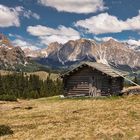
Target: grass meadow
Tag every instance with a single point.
(71, 119)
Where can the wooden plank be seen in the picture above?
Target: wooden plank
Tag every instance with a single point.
(77, 93)
(78, 81)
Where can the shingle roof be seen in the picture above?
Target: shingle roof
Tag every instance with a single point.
(100, 67)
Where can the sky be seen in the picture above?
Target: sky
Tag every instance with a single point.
(37, 23)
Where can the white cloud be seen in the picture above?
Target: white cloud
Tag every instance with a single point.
(133, 42)
(40, 30)
(11, 16)
(15, 36)
(129, 41)
(47, 35)
(134, 22)
(104, 39)
(75, 6)
(24, 44)
(105, 23)
(29, 14)
(60, 39)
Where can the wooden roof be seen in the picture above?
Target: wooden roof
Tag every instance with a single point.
(99, 66)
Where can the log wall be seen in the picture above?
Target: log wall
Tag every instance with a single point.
(77, 83)
(117, 85)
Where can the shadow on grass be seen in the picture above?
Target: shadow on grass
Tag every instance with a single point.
(94, 98)
(5, 130)
(58, 98)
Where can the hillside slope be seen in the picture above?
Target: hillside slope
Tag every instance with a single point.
(53, 118)
(42, 74)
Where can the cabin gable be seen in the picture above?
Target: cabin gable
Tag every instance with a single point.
(89, 81)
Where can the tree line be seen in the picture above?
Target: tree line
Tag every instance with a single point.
(19, 85)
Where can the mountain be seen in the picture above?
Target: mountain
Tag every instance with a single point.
(74, 51)
(133, 47)
(56, 55)
(17, 59)
(10, 57)
(119, 54)
(31, 53)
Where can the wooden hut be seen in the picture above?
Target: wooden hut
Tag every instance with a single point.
(92, 79)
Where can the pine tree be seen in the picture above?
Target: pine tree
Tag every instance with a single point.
(23, 86)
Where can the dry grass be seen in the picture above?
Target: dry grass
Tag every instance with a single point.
(71, 119)
(4, 72)
(42, 74)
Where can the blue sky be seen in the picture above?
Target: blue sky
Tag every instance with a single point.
(36, 23)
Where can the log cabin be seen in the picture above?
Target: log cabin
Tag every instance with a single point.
(92, 79)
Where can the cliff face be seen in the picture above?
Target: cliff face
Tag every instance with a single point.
(119, 54)
(110, 52)
(74, 51)
(10, 56)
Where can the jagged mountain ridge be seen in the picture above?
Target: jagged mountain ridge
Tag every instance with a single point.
(10, 56)
(110, 52)
(120, 54)
(74, 51)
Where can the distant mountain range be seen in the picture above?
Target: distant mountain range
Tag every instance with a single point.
(11, 57)
(111, 52)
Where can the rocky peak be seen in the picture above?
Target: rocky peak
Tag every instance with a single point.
(82, 40)
(54, 44)
(115, 45)
(5, 42)
(10, 56)
(109, 52)
(112, 42)
(70, 43)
